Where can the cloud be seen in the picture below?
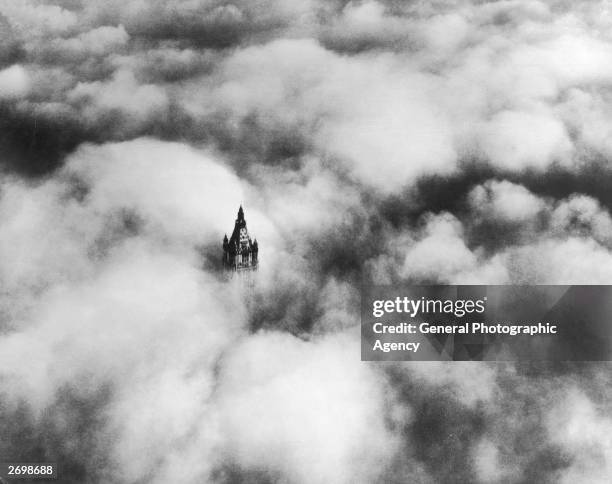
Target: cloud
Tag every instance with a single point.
(96, 42)
(365, 25)
(271, 423)
(167, 63)
(571, 261)
(486, 462)
(201, 23)
(581, 429)
(505, 201)
(515, 141)
(136, 104)
(106, 194)
(370, 142)
(14, 82)
(441, 251)
(582, 215)
(36, 19)
(135, 176)
(353, 113)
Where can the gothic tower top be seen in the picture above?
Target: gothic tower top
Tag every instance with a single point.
(240, 252)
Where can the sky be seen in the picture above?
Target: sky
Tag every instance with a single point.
(449, 142)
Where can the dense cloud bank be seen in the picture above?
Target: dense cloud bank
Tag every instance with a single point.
(444, 141)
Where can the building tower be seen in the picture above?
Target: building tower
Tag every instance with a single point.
(240, 252)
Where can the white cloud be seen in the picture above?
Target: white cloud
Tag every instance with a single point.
(570, 261)
(487, 462)
(515, 141)
(34, 18)
(581, 429)
(304, 409)
(138, 103)
(175, 188)
(98, 41)
(582, 215)
(376, 117)
(14, 82)
(441, 251)
(503, 200)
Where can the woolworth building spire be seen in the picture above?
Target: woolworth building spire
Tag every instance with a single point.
(240, 252)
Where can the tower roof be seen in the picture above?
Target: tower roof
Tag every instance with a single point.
(240, 224)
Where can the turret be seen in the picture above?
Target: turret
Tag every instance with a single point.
(255, 249)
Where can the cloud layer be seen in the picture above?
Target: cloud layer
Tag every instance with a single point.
(377, 141)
